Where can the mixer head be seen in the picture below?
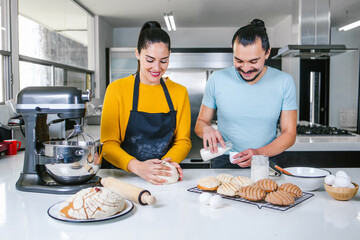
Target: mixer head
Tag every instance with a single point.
(66, 102)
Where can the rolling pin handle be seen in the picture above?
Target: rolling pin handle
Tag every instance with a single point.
(146, 198)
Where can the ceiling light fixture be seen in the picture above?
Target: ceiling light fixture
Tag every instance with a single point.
(350, 26)
(170, 21)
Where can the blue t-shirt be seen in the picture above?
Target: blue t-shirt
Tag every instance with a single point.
(247, 115)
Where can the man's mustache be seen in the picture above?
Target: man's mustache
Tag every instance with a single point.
(251, 71)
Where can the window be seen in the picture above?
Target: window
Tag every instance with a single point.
(32, 74)
(4, 49)
(2, 83)
(55, 44)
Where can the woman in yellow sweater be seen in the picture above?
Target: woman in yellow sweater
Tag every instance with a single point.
(146, 118)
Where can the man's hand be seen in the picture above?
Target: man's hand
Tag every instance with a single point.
(210, 139)
(243, 159)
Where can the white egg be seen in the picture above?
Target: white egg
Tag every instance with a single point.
(329, 179)
(341, 173)
(215, 201)
(204, 198)
(342, 182)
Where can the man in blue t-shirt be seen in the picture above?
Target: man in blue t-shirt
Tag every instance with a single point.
(248, 98)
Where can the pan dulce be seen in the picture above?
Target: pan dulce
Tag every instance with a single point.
(92, 203)
(240, 186)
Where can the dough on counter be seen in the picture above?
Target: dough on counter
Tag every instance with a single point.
(92, 203)
(174, 173)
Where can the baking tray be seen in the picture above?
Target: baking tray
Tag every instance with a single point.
(260, 204)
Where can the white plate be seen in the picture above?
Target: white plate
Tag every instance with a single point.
(54, 212)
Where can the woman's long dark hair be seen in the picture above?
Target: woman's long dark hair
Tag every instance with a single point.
(151, 32)
(248, 34)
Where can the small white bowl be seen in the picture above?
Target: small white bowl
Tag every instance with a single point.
(306, 178)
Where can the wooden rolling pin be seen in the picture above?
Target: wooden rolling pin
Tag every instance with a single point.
(129, 191)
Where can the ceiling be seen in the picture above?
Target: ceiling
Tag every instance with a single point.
(209, 13)
(70, 20)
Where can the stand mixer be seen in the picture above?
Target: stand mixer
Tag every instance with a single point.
(60, 167)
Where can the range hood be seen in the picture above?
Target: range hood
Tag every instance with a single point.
(311, 51)
(311, 29)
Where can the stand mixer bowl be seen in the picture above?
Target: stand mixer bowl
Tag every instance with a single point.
(72, 162)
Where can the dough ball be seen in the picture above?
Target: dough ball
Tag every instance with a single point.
(174, 174)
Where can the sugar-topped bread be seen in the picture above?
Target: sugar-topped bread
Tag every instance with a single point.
(242, 181)
(252, 193)
(280, 197)
(291, 188)
(228, 189)
(92, 203)
(267, 185)
(225, 178)
(209, 183)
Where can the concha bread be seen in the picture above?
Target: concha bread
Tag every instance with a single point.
(280, 197)
(242, 181)
(252, 193)
(224, 178)
(267, 185)
(291, 188)
(92, 203)
(209, 183)
(228, 189)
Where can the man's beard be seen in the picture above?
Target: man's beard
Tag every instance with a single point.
(249, 80)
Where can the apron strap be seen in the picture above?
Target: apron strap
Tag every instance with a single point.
(167, 95)
(136, 93)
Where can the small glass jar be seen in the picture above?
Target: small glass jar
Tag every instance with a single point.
(259, 167)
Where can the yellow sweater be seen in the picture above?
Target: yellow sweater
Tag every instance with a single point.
(116, 112)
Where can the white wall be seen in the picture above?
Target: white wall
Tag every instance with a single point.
(344, 75)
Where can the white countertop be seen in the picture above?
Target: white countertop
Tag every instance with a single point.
(177, 213)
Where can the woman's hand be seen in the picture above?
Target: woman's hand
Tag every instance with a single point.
(211, 137)
(175, 164)
(149, 170)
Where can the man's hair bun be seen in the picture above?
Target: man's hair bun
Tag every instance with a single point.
(258, 23)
